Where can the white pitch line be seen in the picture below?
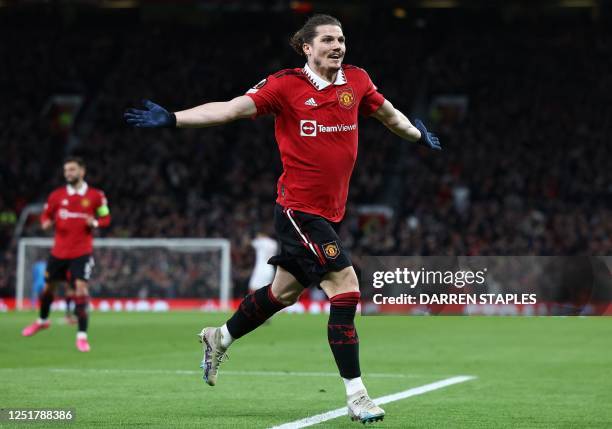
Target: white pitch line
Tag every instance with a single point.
(319, 418)
(238, 373)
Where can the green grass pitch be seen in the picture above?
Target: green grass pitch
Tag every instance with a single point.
(143, 372)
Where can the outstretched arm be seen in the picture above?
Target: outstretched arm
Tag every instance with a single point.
(209, 114)
(205, 115)
(399, 124)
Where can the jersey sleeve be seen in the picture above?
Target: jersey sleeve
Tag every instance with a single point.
(49, 209)
(267, 96)
(372, 99)
(102, 210)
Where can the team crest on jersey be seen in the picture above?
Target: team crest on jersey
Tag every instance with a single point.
(85, 202)
(346, 98)
(331, 250)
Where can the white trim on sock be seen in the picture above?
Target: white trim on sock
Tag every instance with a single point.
(41, 321)
(81, 335)
(353, 385)
(226, 338)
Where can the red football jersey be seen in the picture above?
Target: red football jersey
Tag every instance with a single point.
(69, 210)
(316, 131)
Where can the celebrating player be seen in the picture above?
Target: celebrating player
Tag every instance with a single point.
(75, 210)
(316, 111)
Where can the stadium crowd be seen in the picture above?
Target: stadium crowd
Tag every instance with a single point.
(524, 172)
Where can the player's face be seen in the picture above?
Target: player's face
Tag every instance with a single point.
(328, 47)
(73, 173)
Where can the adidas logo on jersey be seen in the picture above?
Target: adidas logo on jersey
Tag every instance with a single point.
(311, 102)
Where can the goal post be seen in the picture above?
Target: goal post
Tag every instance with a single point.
(176, 266)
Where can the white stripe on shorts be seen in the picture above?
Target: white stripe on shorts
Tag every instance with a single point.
(297, 228)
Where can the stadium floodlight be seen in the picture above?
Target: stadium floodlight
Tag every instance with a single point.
(154, 267)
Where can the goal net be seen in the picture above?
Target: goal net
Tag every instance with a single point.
(139, 268)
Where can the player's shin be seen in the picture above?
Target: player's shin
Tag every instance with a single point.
(254, 310)
(342, 336)
(69, 300)
(46, 299)
(80, 310)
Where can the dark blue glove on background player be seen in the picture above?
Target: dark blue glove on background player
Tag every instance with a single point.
(428, 139)
(154, 117)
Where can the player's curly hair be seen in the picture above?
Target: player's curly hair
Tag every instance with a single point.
(308, 32)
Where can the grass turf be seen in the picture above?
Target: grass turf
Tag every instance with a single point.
(143, 372)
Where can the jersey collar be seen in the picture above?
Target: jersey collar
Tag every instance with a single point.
(320, 83)
(71, 191)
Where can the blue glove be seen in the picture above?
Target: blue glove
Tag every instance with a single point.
(154, 117)
(428, 139)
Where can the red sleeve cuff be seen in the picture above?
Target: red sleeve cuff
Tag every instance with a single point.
(372, 105)
(258, 105)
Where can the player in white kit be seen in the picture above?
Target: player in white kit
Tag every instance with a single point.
(263, 273)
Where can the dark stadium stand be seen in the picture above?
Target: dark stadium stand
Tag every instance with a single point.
(525, 172)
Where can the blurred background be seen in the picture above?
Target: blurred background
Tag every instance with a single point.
(518, 91)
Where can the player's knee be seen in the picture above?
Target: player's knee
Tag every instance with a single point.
(351, 280)
(287, 298)
(81, 288)
(285, 288)
(344, 281)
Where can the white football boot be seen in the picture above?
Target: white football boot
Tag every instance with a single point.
(214, 354)
(362, 408)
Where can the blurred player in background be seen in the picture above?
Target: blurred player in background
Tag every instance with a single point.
(263, 273)
(75, 210)
(38, 279)
(316, 112)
